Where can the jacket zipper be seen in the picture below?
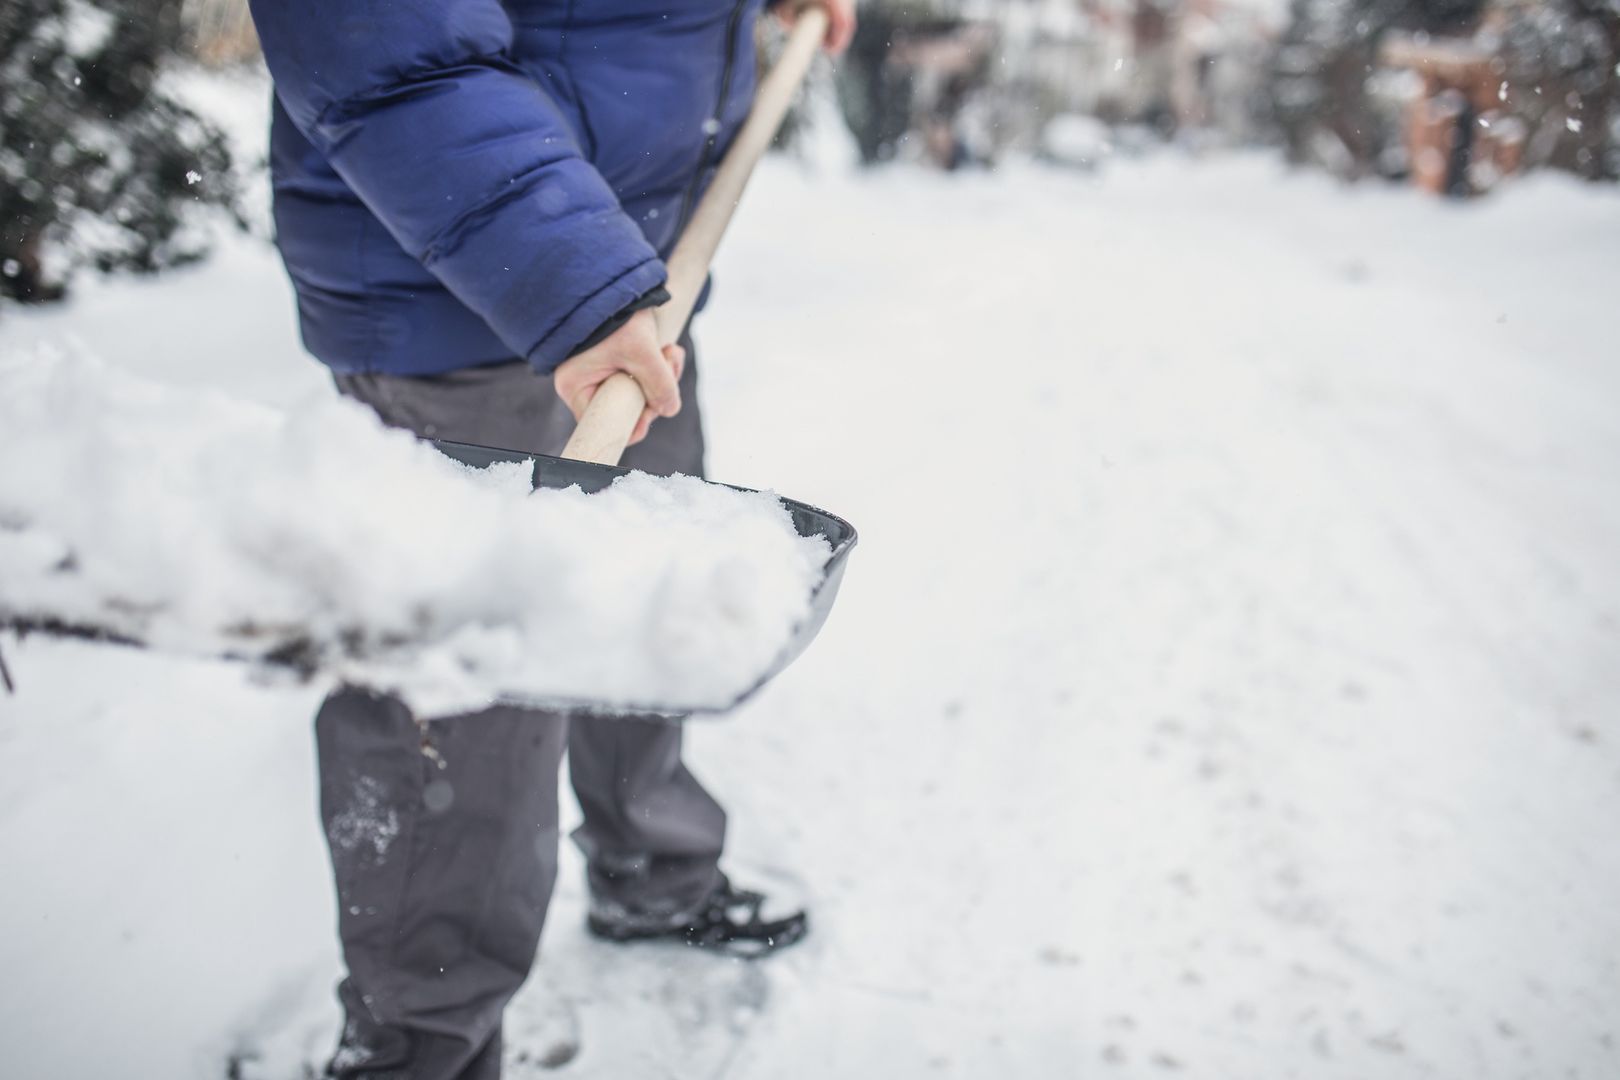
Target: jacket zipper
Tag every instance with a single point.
(713, 139)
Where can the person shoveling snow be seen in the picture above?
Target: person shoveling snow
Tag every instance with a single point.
(478, 204)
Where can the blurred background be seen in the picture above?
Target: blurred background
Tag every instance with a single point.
(108, 137)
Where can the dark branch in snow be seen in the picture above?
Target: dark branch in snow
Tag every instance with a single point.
(301, 656)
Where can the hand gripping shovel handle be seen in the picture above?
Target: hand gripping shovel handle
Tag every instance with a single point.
(605, 427)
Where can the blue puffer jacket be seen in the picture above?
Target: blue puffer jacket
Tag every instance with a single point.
(462, 182)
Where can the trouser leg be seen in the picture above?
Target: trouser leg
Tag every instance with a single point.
(652, 836)
(444, 865)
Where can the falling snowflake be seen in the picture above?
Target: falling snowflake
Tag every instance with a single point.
(192, 176)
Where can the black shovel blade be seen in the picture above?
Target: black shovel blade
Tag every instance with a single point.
(558, 473)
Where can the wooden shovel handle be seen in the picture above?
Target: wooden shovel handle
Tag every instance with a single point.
(611, 416)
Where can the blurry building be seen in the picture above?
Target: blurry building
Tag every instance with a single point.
(991, 75)
(1529, 84)
(1454, 94)
(1217, 64)
(1166, 64)
(1459, 139)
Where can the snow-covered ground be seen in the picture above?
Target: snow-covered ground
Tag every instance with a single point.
(1227, 684)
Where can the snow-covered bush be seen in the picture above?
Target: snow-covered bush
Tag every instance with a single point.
(1080, 142)
(97, 165)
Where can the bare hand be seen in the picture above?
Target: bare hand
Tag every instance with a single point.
(840, 22)
(633, 349)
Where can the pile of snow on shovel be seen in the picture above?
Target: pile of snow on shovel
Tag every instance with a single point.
(191, 521)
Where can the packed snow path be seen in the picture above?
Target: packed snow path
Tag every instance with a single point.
(1227, 685)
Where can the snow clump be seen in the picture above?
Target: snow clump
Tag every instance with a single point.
(196, 522)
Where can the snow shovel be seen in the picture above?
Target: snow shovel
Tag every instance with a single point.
(590, 456)
(590, 459)
(591, 477)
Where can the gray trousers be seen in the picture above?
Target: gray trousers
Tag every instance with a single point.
(443, 835)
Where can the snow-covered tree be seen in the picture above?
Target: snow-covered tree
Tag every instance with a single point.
(97, 164)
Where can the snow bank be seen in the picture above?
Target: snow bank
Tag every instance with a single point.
(199, 523)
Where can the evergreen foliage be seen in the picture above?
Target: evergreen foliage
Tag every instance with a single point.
(98, 165)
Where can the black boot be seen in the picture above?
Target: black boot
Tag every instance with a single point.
(729, 920)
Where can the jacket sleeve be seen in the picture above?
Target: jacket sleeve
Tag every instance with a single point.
(463, 158)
